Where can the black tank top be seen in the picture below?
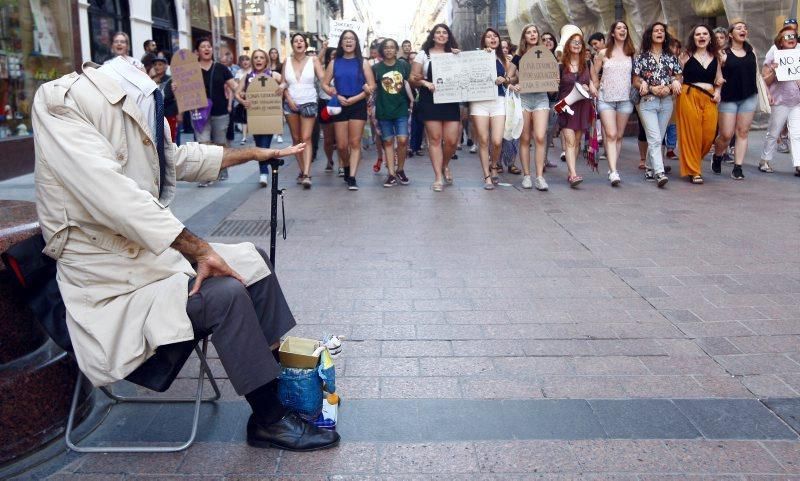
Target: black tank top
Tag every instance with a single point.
(740, 76)
(693, 71)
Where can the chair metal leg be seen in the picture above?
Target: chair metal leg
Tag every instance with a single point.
(198, 399)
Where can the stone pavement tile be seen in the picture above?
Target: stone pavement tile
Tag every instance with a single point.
(412, 293)
(359, 387)
(420, 388)
(526, 457)
(228, 458)
(714, 329)
(583, 387)
(768, 386)
(723, 457)
(622, 365)
(682, 365)
(770, 477)
(724, 386)
(304, 477)
(617, 456)
(87, 477)
(626, 347)
(380, 305)
(541, 316)
(758, 364)
(662, 387)
(734, 419)
(387, 333)
(532, 366)
(356, 293)
(367, 348)
(416, 318)
(489, 388)
(715, 346)
(690, 477)
(451, 332)
(728, 313)
(618, 292)
(489, 348)
(600, 315)
(787, 453)
(385, 366)
(558, 347)
(350, 317)
(680, 315)
(316, 331)
(780, 311)
(456, 458)
(651, 292)
(418, 349)
(442, 304)
(788, 409)
(767, 344)
(643, 419)
(130, 463)
(455, 366)
(640, 330)
(346, 458)
(476, 317)
(681, 348)
(774, 327)
(653, 281)
(549, 331)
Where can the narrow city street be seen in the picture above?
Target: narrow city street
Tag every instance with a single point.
(629, 333)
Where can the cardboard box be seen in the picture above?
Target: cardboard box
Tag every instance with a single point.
(298, 352)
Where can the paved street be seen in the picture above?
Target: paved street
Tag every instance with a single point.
(634, 333)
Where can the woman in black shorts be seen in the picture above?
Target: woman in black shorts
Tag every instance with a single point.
(442, 121)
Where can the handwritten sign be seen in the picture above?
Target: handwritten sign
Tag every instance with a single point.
(788, 61)
(265, 115)
(252, 7)
(339, 26)
(538, 71)
(466, 77)
(190, 91)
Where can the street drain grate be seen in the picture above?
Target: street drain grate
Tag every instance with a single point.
(242, 228)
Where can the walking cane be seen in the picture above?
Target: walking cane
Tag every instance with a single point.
(273, 215)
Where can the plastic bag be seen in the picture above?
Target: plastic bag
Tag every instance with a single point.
(513, 127)
(301, 391)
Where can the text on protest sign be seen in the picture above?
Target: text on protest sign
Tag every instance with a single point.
(538, 71)
(788, 64)
(339, 26)
(265, 114)
(466, 77)
(190, 91)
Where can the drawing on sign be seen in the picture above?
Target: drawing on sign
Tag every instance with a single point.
(339, 26)
(788, 61)
(265, 114)
(190, 91)
(466, 77)
(538, 71)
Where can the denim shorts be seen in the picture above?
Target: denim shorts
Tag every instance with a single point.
(532, 102)
(393, 128)
(739, 107)
(620, 106)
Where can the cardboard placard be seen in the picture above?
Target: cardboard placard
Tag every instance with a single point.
(466, 77)
(265, 115)
(538, 71)
(788, 61)
(339, 26)
(190, 91)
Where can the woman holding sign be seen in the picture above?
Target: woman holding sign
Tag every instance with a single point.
(615, 106)
(354, 82)
(259, 68)
(442, 121)
(535, 117)
(786, 104)
(300, 95)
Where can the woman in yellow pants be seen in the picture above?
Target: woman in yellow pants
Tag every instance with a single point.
(697, 104)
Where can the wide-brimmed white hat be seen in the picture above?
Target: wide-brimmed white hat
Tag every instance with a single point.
(567, 31)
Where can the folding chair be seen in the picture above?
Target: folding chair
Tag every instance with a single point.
(36, 273)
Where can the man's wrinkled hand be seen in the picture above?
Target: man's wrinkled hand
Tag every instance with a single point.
(212, 264)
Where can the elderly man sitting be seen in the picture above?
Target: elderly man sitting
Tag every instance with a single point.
(132, 276)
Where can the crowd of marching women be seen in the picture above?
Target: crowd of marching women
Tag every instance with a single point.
(698, 98)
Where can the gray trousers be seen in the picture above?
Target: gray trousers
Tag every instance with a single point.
(243, 322)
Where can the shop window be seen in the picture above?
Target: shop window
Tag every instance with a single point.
(35, 47)
(105, 18)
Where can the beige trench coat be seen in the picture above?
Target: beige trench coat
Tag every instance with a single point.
(97, 178)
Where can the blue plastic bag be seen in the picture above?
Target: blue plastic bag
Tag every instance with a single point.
(300, 390)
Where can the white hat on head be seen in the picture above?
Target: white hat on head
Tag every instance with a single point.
(567, 31)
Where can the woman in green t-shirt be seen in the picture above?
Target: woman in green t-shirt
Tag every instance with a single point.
(391, 109)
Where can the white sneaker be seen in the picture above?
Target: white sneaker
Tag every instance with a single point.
(526, 182)
(541, 184)
(279, 139)
(613, 177)
(262, 179)
(243, 141)
(473, 149)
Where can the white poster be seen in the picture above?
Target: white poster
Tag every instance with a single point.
(788, 64)
(45, 33)
(466, 77)
(339, 26)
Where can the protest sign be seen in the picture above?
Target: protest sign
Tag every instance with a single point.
(466, 77)
(339, 26)
(265, 115)
(251, 7)
(788, 61)
(538, 71)
(190, 91)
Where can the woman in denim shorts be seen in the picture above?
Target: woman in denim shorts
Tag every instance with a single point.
(739, 98)
(614, 104)
(535, 117)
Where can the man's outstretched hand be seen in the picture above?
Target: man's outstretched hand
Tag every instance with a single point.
(209, 263)
(268, 154)
(231, 157)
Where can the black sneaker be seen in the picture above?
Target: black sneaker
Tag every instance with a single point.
(716, 164)
(661, 179)
(390, 181)
(454, 157)
(649, 175)
(351, 183)
(401, 175)
(469, 142)
(667, 169)
(346, 173)
(736, 173)
(410, 154)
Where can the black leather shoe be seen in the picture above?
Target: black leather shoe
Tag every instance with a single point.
(290, 433)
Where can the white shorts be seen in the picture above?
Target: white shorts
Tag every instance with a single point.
(488, 108)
